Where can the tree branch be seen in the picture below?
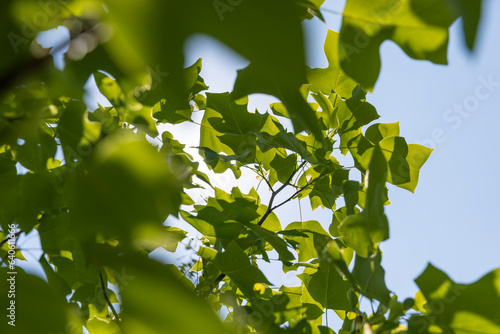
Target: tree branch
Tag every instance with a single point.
(270, 207)
(276, 192)
(291, 197)
(7, 239)
(117, 318)
(268, 184)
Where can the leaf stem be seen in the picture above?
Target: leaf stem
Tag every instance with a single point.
(268, 184)
(7, 239)
(288, 199)
(117, 318)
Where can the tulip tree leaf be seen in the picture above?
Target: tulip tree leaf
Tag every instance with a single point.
(130, 111)
(420, 28)
(417, 156)
(327, 286)
(305, 244)
(271, 73)
(331, 79)
(369, 275)
(234, 263)
(27, 317)
(140, 188)
(364, 230)
(471, 14)
(376, 132)
(152, 296)
(462, 308)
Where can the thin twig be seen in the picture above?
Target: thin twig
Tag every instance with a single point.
(291, 197)
(219, 279)
(269, 209)
(7, 239)
(268, 184)
(276, 192)
(117, 318)
(4, 259)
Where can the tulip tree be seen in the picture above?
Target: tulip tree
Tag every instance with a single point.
(99, 187)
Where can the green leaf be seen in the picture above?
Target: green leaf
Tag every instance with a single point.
(370, 276)
(166, 237)
(356, 233)
(220, 163)
(305, 244)
(376, 132)
(213, 223)
(284, 167)
(461, 308)
(395, 151)
(234, 263)
(327, 189)
(235, 118)
(298, 109)
(351, 195)
(7, 161)
(97, 325)
(128, 109)
(269, 72)
(128, 185)
(54, 279)
(420, 28)
(170, 108)
(321, 150)
(352, 114)
(330, 251)
(155, 298)
(331, 79)
(310, 8)
(140, 116)
(34, 154)
(283, 139)
(78, 135)
(470, 10)
(374, 207)
(327, 114)
(38, 193)
(299, 299)
(227, 127)
(16, 45)
(337, 218)
(272, 222)
(417, 156)
(403, 161)
(363, 231)
(278, 244)
(92, 299)
(327, 287)
(29, 317)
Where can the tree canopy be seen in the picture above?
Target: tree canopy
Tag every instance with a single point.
(100, 187)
